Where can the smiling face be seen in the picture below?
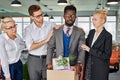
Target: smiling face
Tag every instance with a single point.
(69, 17)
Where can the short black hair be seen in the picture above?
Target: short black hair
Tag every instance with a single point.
(70, 7)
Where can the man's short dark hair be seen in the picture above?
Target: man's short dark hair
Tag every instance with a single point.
(70, 7)
(33, 8)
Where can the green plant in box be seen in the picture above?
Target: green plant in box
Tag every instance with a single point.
(62, 62)
(72, 57)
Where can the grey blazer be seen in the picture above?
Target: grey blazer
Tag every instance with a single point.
(55, 45)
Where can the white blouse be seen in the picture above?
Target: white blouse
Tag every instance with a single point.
(10, 51)
(95, 37)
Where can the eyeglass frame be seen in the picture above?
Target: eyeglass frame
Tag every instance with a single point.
(38, 16)
(11, 27)
(70, 15)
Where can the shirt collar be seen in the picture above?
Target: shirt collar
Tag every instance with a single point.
(6, 36)
(65, 27)
(35, 27)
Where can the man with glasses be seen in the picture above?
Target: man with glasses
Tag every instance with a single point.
(11, 46)
(67, 41)
(37, 34)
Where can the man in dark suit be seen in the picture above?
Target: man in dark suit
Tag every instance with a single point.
(67, 40)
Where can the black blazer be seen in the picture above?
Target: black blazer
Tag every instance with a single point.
(100, 54)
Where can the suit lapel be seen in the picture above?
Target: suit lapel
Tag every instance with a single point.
(91, 37)
(72, 36)
(61, 37)
(99, 37)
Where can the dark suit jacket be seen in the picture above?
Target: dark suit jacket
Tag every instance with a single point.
(56, 44)
(100, 54)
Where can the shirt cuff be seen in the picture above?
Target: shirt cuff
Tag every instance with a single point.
(7, 75)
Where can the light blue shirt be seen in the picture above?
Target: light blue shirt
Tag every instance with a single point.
(33, 34)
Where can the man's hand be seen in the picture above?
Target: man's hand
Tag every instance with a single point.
(57, 26)
(77, 68)
(49, 66)
(49, 36)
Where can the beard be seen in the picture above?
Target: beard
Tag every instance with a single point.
(69, 23)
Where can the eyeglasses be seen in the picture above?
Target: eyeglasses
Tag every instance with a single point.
(11, 27)
(38, 16)
(70, 15)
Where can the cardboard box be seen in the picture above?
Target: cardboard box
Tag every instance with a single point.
(61, 75)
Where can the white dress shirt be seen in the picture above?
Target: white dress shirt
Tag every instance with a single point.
(33, 34)
(10, 51)
(65, 28)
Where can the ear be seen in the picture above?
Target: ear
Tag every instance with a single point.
(103, 21)
(32, 17)
(4, 30)
(64, 16)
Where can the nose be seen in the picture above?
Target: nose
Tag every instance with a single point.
(14, 29)
(70, 18)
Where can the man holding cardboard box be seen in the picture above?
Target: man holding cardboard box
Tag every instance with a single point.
(66, 41)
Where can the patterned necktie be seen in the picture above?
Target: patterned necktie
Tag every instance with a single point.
(67, 32)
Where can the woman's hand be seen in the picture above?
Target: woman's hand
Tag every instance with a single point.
(85, 47)
(7, 78)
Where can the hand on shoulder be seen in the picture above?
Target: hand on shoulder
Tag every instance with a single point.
(57, 26)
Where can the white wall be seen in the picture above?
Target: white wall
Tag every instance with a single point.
(118, 27)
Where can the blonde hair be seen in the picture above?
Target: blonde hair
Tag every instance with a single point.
(4, 21)
(103, 14)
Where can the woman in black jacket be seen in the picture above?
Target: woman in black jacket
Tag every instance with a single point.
(98, 49)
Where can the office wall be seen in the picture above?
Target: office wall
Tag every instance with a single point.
(118, 27)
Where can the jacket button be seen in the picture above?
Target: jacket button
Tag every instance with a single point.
(91, 62)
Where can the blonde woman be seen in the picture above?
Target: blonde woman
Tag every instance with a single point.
(98, 49)
(11, 46)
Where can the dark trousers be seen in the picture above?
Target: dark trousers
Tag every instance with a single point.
(37, 67)
(16, 71)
